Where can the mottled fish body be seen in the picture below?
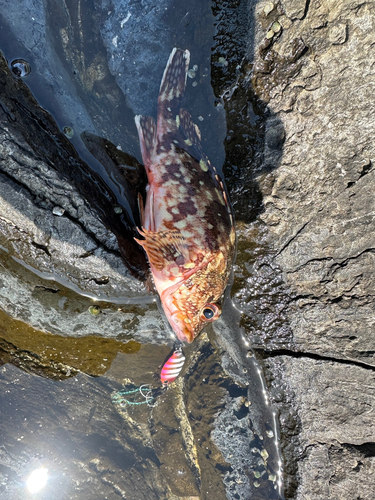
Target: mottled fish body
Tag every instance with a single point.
(187, 222)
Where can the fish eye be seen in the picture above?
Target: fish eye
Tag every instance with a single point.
(210, 312)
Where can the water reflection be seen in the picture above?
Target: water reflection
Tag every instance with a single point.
(37, 480)
(213, 433)
(211, 422)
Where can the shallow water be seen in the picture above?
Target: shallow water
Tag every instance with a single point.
(213, 434)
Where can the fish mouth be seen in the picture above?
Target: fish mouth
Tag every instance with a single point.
(179, 322)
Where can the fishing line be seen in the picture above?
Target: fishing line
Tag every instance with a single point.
(148, 394)
(170, 371)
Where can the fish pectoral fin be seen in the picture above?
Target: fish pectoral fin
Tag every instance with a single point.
(146, 127)
(164, 248)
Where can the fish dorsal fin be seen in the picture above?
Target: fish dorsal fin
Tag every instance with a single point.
(147, 134)
(164, 247)
(224, 193)
(190, 133)
(172, 86)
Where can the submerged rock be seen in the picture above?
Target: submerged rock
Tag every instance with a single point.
(295, 83)
(65, 229)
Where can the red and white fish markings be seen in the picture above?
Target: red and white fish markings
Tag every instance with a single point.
(187, 222)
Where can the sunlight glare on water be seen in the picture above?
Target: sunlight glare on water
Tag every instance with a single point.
(37, 480)
(94, 70)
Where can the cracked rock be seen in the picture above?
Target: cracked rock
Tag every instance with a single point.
(319, 212)
(331, 410)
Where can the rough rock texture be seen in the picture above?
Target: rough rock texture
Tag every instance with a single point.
(321, 204)
(297, 88)
(312, 69)
(331, 406)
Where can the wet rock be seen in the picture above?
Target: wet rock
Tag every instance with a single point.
(58, 307)
(318, 209)
(124, 31)
(79, 436)
(332, 406)
(79, 249)
(70, 76)
(53, 174)
(295, 9)
(98, 431)
(117, 54)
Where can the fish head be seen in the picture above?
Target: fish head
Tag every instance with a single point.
(196, 300)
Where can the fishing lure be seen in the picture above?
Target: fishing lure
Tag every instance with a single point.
(172, 367)
(170, 371)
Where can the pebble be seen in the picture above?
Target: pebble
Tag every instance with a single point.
(68, 132)
(268, 8)
(20, 67)
(94, 310)
(276, 27)
(223, 61)
(58, 211)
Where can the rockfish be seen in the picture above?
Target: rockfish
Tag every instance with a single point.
(187, 222)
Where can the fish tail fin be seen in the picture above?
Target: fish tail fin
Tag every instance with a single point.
(173, 84)
(147, 132)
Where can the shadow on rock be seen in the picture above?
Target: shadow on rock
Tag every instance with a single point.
(33, 130)
(247, 139)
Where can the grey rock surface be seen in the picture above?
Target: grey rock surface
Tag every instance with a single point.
(301, 94)
(331, 405)
(127, 27)
(315, 76)
(50, 229)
